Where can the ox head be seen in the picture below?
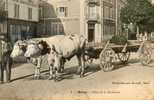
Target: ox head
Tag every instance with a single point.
(19, 49)
(36, 48)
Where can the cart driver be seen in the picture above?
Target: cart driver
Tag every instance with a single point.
(5, 59)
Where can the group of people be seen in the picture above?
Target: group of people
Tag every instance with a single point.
(145, 36)
(5, 59)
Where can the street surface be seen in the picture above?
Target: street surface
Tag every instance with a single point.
(127, 82)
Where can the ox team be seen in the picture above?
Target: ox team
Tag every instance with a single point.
(58, 49)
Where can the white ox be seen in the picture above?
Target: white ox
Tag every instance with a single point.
(62, 48)
(20, 47)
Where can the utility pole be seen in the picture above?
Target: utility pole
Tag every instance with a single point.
(116, 6)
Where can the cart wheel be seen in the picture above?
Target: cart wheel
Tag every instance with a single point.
(123, 57)
(107, 58)
(145, 56)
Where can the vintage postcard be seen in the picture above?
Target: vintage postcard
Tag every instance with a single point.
(76, 49)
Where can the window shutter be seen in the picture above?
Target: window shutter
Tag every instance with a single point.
(66, 11)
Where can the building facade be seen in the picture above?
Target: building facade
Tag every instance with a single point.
(95, 19)
(22, 18)
(3, 16)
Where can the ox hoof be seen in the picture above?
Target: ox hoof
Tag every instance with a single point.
(57, 79)
(81, 75)
(61, 70)
(78, 71)
(86, 67)
(8, 81)
(50, 78)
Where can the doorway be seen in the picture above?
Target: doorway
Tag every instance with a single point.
(91, 32)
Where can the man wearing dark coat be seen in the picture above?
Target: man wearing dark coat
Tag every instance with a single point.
(5, 59)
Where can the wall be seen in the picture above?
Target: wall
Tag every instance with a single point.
(70, 23)
(23, 10)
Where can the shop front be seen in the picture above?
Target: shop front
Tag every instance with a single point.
(21, 30)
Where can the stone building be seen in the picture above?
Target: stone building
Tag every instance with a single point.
(22, 18)
(3, 16)
(95, 19)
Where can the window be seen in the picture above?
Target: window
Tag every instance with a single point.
(15, 32)
(61, 28)
(57, 28)
(16, 11)
(41, 12)
(2, 27)
(29, 13)
(91, 32)
(109, 12)
(62, 11)
(92, 11)
(106, 12)
(16, 0)
(109, 30)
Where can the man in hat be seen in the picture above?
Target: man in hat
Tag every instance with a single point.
(5, 59)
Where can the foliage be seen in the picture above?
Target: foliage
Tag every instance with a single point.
(139, 12)
(119, 39)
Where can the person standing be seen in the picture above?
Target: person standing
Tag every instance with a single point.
(5, 59)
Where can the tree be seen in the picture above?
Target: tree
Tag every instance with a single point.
(138, 12)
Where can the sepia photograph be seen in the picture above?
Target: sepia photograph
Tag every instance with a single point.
(76, 49)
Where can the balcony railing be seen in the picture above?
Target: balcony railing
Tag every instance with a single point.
(109, 20)
(93, 2)
(94, 17)
(29, 2)
(3, 11)
(2, 5)
(3, 15)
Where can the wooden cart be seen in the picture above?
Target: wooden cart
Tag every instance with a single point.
(108, 53)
